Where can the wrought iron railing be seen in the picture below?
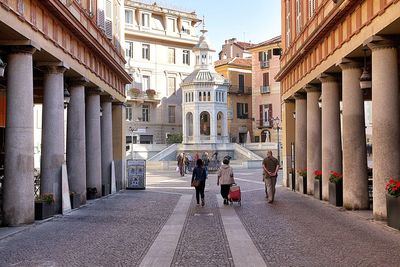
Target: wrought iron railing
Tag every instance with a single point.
(234, 89)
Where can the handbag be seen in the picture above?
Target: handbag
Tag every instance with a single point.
(195, 183)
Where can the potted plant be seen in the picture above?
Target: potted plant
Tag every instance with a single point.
(335, 188)
(135, 92)
(318, 184)
(393, 203)
(151, 93)
(302, 180)
(44, 206)
(91, 193)
(75, 200)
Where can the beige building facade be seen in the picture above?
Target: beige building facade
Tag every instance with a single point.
(329, 48)
(158, 51)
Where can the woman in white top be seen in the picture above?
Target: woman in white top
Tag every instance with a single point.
(225, 179)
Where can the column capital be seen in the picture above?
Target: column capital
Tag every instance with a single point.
(119, 104)
(23, 49)
(298, 96)
(327, 78)
(107, 98)
(311, 88)
(347, 63)
(94, 90)
(77, 81)
(52, 67)
(379, 42)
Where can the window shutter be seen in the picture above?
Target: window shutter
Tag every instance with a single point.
(266, 79)
(269, 55)
(260, 56)
(261, 115)
(270, 117)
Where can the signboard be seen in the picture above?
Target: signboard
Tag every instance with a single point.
(136, 173)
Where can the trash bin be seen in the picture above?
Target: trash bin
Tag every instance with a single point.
(136, 173)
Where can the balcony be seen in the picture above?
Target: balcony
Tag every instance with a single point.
(136, 94)
(264, 64)
(240, 90)
(265, 89)
(264, 124)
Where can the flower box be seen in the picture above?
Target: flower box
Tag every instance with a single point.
(75, 200)
(393, 211)
(336, 194)
(43, 210)
(303, 184)
(318, 189)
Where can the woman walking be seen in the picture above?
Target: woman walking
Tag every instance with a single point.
(199, 177)
(225, 178)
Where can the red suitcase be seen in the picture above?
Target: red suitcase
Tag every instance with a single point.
(235, 194)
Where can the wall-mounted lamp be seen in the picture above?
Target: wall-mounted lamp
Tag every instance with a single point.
(67, 97)
(2, 67)
(320, 102)
(365, 79)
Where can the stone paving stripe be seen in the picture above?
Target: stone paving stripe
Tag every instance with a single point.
(170, 187)
(244, 252)
(162, 251)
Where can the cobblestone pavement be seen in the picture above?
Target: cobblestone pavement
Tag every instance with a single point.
(296, 230)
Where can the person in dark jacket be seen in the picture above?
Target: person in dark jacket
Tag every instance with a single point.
(199, 176)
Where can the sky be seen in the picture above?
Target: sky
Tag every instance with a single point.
(247, 20)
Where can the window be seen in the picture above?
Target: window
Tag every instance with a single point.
(129, 49)
(171, 114)
(186, 57)
(311, 8)
(288, 40)
(241, 83)
(146, 51)
(145, 82)
(171, 25)
(242, 110)
(146, 20)
(171, 85)
(203, 59)
(171, 55)
(264, 58)
(186, 27)
(129, 17)
(129, 113)
(145, 113)
(298, 16)
(266, 115)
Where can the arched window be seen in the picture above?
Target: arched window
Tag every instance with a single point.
(205, 123)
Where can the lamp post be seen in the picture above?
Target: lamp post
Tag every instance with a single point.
(67, 97)
(277, 127)
(2, 67)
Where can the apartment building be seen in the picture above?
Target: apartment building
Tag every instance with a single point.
(158, 51)
(266, 101)
(238, 72)
(233, 48)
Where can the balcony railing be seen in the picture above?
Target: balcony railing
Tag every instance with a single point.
(234, 89)
(264, 124)
(265, 89)
(264, 64)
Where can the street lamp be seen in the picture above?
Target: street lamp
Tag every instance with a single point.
(2, 67)
(365, 79)
(277, 121)
(67, 96)
(320, 102)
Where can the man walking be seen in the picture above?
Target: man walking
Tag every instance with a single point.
(270, 173)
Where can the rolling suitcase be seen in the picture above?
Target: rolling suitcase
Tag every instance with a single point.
(235, 194)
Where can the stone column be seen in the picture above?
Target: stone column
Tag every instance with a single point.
(119, 143)
(355, 180)
(313, 136)
(93, 140)
(196, 125)
(76, 140)
(106, 144)
(385, 119)
(225, 128)
(331, 135)
(52, 154)
(301, 135)
(18, 198)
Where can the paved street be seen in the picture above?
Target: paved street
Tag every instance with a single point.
(163, 226)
